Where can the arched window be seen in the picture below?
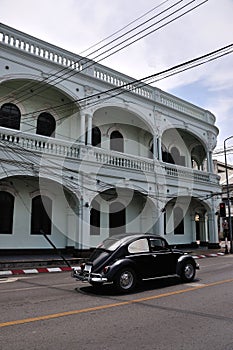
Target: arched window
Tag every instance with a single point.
(6, 212)
(41, 215)
(10, 116)
(95, 219)
(178, 221)
(46, 125)
(116, 141)
(117, 218)
(96, 137)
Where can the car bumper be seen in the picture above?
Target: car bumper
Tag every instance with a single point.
(88, 277)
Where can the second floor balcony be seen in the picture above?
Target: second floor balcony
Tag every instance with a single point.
(24, 148)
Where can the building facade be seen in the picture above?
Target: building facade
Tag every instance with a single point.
(226, 191)
(87, 153)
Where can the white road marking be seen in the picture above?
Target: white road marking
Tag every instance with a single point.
(8, 280)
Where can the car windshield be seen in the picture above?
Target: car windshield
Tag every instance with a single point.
(110, 244)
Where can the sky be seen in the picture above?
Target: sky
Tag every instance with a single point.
(76, 25)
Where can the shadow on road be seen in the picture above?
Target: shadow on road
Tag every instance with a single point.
(109, 290)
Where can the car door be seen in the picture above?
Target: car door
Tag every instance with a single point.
(164, 261)
(139, 253)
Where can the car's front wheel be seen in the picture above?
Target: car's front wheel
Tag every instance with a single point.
(188, 271)
(125, 280)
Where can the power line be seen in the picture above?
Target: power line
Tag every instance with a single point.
(138, 83)
(135, 84)
(222, 151)
(69, 74)
(124, 27)
(51, 169)
(70, 66)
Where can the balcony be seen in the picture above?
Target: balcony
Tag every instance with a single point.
(16, 141)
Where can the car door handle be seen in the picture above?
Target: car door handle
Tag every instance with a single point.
(154, 255)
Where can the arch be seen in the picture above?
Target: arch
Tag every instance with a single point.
(116, 141)
(25, 79)
(140, 118)
(41, 215)
(182, 147)
(46, 125)
(10, 116)
(6, 212)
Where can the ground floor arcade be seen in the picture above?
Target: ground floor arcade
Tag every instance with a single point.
(81, 218)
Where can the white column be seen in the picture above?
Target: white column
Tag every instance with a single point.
(213, 230)
(155, 147)
(82, 128)
(159, 148)
(89, 129)
(193, 224)
(209, 162)
(84, 225)
(161, 224)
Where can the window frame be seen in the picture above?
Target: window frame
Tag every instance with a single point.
(10, 119)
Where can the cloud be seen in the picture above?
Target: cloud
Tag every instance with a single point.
(75, 25)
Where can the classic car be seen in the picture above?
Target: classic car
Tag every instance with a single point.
(127, 259)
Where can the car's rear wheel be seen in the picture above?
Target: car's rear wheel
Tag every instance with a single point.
(188, 271)
(125, 280)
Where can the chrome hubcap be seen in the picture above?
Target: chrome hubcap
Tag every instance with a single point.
(189, 271)
(126, 280)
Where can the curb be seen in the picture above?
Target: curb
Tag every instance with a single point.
(66, 268)
(31, 271)
(212, 255)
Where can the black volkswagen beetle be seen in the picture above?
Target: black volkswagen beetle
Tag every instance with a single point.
(127, 259)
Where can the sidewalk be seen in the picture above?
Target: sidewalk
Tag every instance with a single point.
(33, 264)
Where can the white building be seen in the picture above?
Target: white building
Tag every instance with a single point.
(83, 158)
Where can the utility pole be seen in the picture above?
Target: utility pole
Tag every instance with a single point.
(228, 195)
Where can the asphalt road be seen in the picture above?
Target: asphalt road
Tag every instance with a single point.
(52, 311)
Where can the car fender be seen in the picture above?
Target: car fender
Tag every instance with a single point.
(181, 260)
(117, 266)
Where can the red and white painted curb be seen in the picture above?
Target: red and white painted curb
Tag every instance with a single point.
(212, 255)
(37, 270)
(66, 268)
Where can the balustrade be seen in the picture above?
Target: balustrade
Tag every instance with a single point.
(33, 46)
(17, 140)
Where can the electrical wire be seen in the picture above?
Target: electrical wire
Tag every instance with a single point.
(131, 86)
(124, 27)
(33, 86)
(138, 83)
(119, 49)
(51, 169)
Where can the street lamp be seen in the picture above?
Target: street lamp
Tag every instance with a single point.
(228, 195)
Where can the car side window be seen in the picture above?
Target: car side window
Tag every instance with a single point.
(157, 244)
(139, 246)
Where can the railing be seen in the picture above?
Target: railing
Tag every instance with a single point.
(38, 143)
(16, 140)
(123, 161)
(21, 41)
